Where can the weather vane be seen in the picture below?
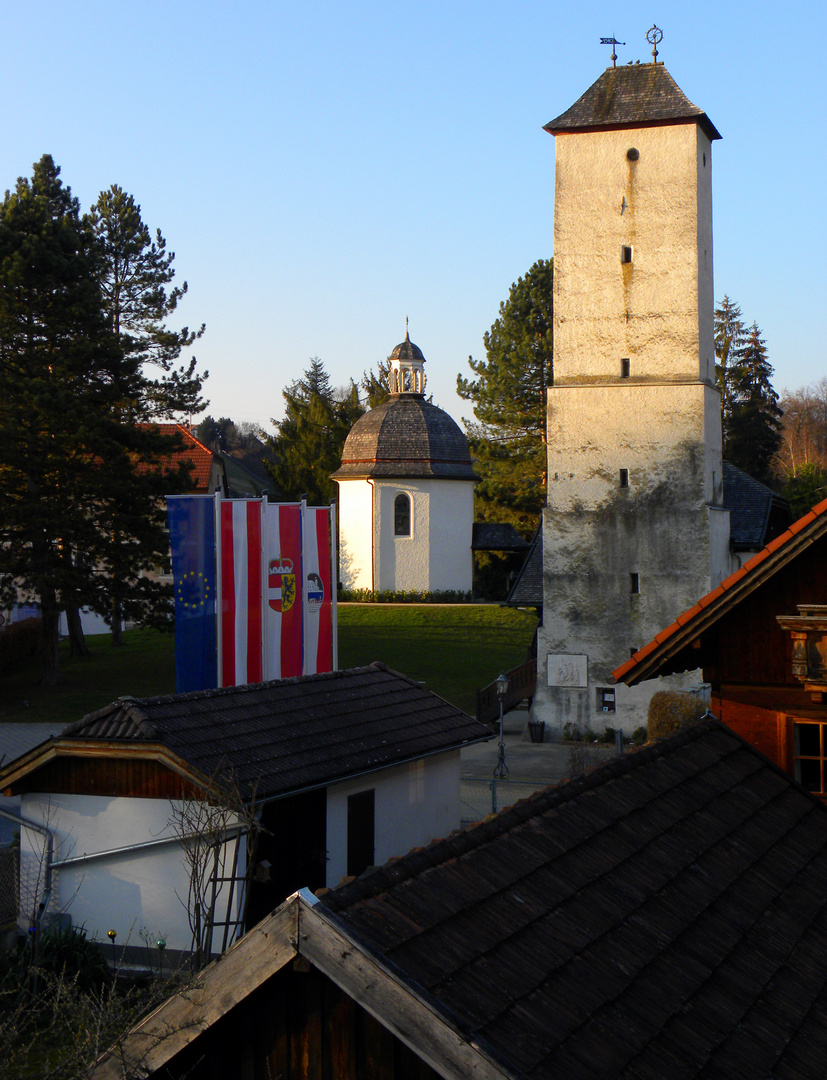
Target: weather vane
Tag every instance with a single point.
(654, 37)
(612, 41)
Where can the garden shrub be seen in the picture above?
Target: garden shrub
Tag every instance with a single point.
(669, 711)
(19, 642)
(409, 596)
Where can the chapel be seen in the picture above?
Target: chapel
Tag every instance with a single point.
(406, 491)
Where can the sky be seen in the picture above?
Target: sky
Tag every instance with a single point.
(325, 170)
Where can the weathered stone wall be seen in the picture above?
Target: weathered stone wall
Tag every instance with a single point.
(634, 530)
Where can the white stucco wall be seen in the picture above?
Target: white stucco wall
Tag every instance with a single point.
(657, 310)
(437, 554)
(355, 534)
(659, 421)
(127, 892)
(414, 804)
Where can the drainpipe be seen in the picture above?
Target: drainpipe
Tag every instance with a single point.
(372, 534)
(40, 909)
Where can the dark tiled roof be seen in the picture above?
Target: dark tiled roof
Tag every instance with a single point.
(406, 350)
(640, 94)
(782, 549)
(753, 508)
(663, 916)
(496, 536)
(406, 436)
(292, 734)
(527, 590)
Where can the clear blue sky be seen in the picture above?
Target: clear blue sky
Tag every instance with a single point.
(325, 169)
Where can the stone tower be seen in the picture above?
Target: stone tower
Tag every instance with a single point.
(406, 491)
(634, 529)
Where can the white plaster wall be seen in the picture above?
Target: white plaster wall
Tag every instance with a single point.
(414, 804)
(128, 892)
(657, 310)
(355, 534)
(437, 554)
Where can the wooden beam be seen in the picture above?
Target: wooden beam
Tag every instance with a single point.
(217, 989)
(396, 1006)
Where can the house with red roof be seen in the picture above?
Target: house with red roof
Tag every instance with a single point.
(760, 638)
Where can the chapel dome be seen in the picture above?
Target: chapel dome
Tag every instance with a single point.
(406, 436)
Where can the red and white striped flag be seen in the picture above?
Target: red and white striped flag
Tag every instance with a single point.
(240, 570)
(318, 593)
(276, 610)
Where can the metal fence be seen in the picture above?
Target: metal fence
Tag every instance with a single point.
(479, 798)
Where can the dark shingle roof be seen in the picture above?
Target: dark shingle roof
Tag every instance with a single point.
(406, 436)
(496, 536)
(527, 590)
(292, 734)
(757, 514)
(665, 915)
(641, 94)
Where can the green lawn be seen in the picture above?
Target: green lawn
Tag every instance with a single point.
(452, 649)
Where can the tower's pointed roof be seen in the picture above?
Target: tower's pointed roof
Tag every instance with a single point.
(406, 350)
(637, 95)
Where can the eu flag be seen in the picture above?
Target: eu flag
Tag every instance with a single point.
(192, 539)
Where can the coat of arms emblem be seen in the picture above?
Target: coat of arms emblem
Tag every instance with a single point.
(281, 584)
(315, 592)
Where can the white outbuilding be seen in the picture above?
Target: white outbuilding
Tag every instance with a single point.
(406, 491)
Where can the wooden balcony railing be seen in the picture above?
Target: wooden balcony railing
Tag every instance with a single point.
(522, 682)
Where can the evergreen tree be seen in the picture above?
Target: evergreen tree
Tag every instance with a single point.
(309, 441)
(376, 384)
(73, 458)
(753, 433)
(508, 439)
(729, 340)
(135, 276)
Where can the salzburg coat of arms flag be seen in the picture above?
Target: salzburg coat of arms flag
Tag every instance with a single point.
(274, 584)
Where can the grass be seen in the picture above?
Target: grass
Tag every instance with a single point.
(453, 649)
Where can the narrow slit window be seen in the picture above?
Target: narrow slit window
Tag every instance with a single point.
(402, 515)
(634, 583)
(624, 477)
(625, 254)
(625, 368)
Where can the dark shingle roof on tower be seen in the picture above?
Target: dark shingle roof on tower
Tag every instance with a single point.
(641, 94)
(406, 436)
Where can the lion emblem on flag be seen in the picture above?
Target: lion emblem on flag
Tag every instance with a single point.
(281, 584)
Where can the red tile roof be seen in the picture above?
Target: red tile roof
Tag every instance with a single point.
(193, 451)
(643, 664)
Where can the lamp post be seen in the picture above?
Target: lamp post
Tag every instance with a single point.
(501, 769)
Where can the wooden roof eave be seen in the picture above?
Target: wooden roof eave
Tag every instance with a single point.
(302, 926)
(62, 747)
(651, 661)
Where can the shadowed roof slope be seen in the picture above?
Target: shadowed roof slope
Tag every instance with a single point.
(663, 916)
(631, 96)
(406, 436)
(291, 734)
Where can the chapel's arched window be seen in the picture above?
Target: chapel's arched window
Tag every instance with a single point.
(402, 515)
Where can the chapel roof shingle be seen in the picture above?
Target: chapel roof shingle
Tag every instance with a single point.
(631, 96)
(406, 436)
(292, 734)
(664, 915)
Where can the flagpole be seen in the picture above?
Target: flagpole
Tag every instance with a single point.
(264, 588)
(219, 593)
(334, 589)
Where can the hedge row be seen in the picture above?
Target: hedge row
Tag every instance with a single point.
(412, 596)
(19, 642)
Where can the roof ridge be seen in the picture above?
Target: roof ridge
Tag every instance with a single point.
(406, 867)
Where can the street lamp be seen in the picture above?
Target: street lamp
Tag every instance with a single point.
(501, 770)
